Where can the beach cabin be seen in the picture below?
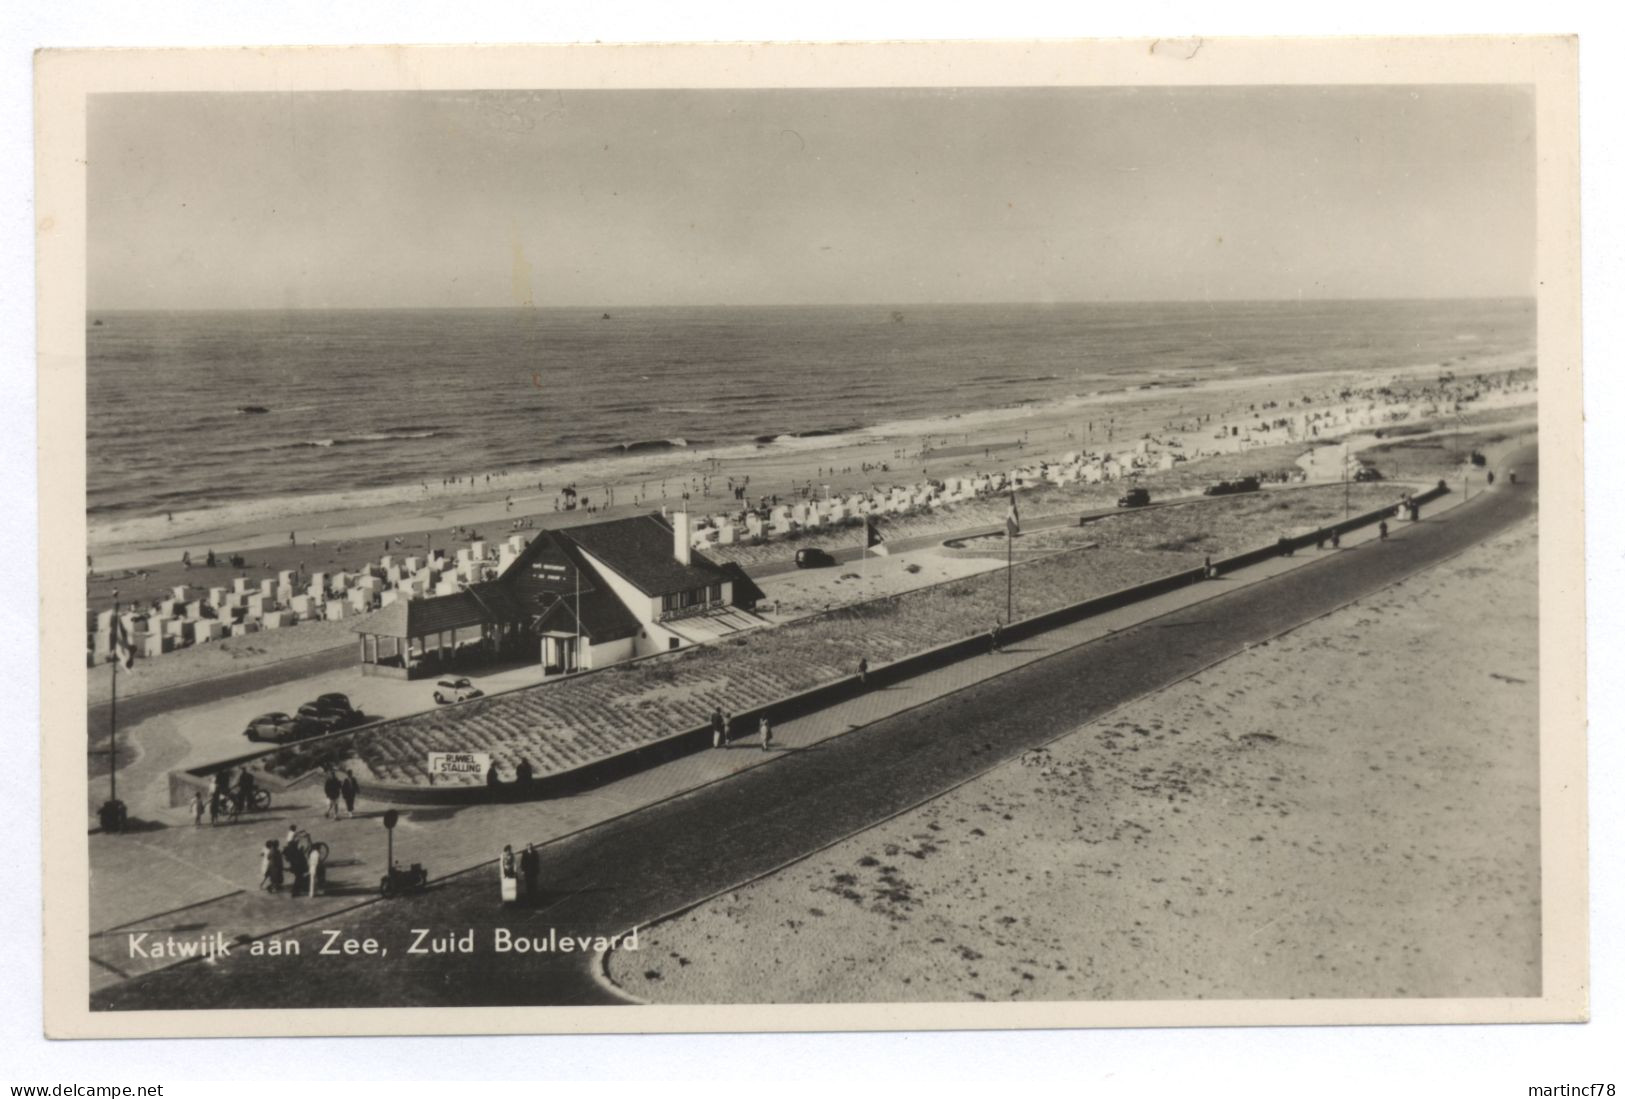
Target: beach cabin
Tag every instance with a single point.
(575, 599)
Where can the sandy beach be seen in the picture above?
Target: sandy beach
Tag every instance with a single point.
(994, 440)
(889, 454)
(1208, 841)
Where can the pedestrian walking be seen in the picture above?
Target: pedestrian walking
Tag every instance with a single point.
(349, 788)
(727, 728)
(1382, 530)
(334, 789)
(993, 637)
(522, 773)
(197, 808)
(716, 727)
(1337, 539)
(765, 727)
(863, 671)
(271, 868)
(530, 865)
(492, 779)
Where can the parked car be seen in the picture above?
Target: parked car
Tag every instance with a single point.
(811, 557)
(1134, 498)
(334, 701)
(280, 728)
(455, 690)
(1368, 473)
(332, 718)
(1227, 488)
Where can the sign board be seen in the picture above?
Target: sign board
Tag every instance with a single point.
(459, 764)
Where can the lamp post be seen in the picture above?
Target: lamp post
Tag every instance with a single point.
(1467, 466)
(112, 719)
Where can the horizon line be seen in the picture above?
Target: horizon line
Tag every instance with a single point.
(794, 305)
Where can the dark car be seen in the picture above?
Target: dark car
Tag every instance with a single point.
(1134, 498)
(1228, 488)
(330, 717)
(811, 557)
(1368, 473)
(279, 728)
(334, 701)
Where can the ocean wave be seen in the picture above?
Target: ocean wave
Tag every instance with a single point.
(623, 463)
(359, 440)
(810, 433)
(648, 445)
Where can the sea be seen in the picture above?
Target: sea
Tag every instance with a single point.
(226, 417)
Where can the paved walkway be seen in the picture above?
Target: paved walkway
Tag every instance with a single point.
(191, 881)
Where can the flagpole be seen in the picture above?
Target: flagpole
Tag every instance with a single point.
(1009, 574)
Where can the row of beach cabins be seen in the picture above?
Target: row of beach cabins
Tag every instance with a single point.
(193, 616)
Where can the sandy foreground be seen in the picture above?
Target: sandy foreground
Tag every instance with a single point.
(1351, 810)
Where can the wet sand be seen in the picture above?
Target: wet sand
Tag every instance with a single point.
(1350, 810)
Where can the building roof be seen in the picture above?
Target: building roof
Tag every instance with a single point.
(478, 603)
(553, 576)
(746, 592)
(640, 549)
(603, 617)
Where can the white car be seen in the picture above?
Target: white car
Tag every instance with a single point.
(448, 691)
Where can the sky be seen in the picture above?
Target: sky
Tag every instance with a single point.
(754, 197)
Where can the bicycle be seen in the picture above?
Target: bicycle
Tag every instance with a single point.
(231, 804)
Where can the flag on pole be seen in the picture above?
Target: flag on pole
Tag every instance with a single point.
(123, 650)
(872, 538)
(1012, 521)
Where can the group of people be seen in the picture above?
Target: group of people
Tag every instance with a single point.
(722, 730)
(336, 788)
(226, 798)
(299, 856)
(522, 774)
(526, 866)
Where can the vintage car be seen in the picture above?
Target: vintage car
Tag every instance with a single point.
(1228, 488)
(1134, 498)
(280, 728)
(448, 691)
(332, 715)
(811, 557)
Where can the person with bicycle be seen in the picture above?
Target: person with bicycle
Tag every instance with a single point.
(219, 795)
(296, 846)
(245, 791)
